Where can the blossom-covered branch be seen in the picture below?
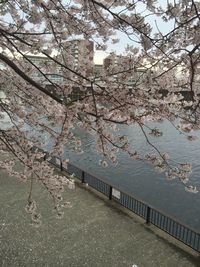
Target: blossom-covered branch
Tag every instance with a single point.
(49, 83)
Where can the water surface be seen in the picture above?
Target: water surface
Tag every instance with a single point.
(141, 179)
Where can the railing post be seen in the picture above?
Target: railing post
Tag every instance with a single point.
(61, 165)
(148, 215)
(45, 155)
(83, 177)
(110, 193)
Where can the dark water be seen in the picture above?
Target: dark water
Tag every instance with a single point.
(142, 180)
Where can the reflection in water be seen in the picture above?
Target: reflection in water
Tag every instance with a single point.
(141, 180)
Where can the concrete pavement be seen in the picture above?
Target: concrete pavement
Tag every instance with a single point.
(94, 232)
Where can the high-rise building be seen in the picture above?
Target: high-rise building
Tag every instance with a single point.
(121, 68)
(77, 55)
(112, 61)
(82, 55)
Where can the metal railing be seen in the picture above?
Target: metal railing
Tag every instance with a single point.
(164, 222)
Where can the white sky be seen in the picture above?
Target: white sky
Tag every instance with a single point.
(99, 57)
(119, 47)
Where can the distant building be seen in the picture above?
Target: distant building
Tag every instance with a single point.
(121, 69)
(98, 68)
(81, 55)
(47, 67)
(77, 55)
(114, 61)
(109, 61)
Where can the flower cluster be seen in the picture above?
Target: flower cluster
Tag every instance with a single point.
(50, 86)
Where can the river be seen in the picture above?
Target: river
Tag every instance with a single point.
(141, 180)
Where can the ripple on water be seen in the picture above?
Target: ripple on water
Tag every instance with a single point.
(141, 180)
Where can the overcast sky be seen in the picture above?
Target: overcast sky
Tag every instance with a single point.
(119, 48)
(124, 40)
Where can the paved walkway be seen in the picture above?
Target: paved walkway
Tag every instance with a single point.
(92, 233)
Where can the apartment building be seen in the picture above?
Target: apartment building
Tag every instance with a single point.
(46, 72)
(77, 55)
(81, 56)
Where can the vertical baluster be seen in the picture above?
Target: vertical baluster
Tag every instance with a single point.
(83, 177)
(110, 193)
(148, 215)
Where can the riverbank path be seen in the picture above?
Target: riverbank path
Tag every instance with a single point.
(94, 232)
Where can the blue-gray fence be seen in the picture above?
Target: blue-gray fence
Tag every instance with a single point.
(182, 232)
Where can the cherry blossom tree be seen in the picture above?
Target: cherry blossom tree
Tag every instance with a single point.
(170, 63)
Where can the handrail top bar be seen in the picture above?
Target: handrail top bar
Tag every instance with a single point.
(141, 201)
